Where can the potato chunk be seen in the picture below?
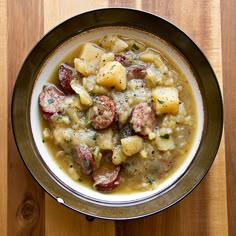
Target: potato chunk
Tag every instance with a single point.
(118, 155)
(166, 100)
(164, 144)
(89, 58)
(83, 94)
(112, 74)
(90, 52)
(153, 77)
(132, 145)
(104, 139)
(114, 43)
(151, 56)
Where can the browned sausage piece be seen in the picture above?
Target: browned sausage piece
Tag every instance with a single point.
(85, 159)
(136, 72)
(65, 75)
(143, 119)
(106, 178)
(50, 100)
(103, 112)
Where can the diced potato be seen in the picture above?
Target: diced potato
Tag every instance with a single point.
(89, 58)
(97, 155)
(166, 100)
(89, 82)
(62, 134)
(132, 145)
(148, 56)
(135, 45)
(164, 144)
(84, 136)
(106, 58)
(112, 74)
(73, 115)
(59, 119)
(84, 67)
(104, 139)
(151, 56)
(72, 101)
(90, 52)
(118, 156)
(100, 90)
(114, 43)
(153, 77)
(83, 94)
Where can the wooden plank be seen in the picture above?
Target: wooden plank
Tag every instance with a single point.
(25, 196)
(3, 117)
(229, 71)
(69, 222)
(204, 211)
(57, 11)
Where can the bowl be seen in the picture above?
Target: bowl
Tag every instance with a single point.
(89, 26)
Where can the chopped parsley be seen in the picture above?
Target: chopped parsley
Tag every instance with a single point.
(160, 101)
(59, 117)
(165, 136)
(113, 67)
(88, 123)
(80, 180)
(150, 180)
(134, 46)
(51, 100)
(86, 164)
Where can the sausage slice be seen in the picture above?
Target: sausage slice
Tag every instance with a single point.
(103, 112)
(65, 75)
(106, 178)
(85, 159)
(136, 71)
(143, 119)
(50, 100)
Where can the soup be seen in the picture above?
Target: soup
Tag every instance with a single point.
(118, 115)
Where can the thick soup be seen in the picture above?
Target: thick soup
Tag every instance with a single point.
(118, 115)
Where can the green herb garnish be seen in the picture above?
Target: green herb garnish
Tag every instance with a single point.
(165, 136)
(51, 100)
(134, 46)
(88, 123)
(150, 180)
(160, 101)
(59, 117)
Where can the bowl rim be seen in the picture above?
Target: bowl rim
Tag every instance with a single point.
(106, 212)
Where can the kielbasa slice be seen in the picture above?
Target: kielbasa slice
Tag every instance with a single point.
(50, 100)
(85, 159)
(103, 112)
(143, 119)
(136, 72)
(106, 178)
(65, 75)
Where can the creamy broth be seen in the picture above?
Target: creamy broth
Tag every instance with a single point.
(149, 73)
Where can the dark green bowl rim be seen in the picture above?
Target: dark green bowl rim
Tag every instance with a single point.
(206, 79)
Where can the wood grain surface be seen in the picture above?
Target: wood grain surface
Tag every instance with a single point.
(229, 73)
(3, 118)
(25, 209)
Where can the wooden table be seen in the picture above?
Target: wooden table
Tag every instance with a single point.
(25, 209)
